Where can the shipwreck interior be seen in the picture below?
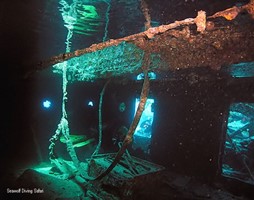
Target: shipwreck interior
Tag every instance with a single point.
(113, 99)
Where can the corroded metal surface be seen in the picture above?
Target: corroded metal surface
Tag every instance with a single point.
(227, 37)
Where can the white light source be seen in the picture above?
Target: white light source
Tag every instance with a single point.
(90, 103)
(46, 104)
(151, 76)
(146, 120)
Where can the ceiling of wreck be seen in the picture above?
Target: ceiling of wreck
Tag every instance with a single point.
(35, 32)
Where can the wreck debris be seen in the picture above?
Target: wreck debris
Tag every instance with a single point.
(150, 33)
(250, 8)
(140, 109)
(191, 49)
(232, 13)
(200, 21)
(100, 120)
(228, 14)
(146, 14)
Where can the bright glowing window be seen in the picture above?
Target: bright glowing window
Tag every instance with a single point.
(151, 75)
(144, 128)
(143, 133)
(241, 70)
(90, 103)
(46, 104)
(238, 160)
